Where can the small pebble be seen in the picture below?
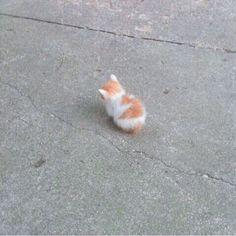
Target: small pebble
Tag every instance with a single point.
(39, 163)
(166, 91)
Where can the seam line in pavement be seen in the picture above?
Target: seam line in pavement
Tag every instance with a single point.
(192, 45)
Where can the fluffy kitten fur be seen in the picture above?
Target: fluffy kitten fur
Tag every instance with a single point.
(127, 111)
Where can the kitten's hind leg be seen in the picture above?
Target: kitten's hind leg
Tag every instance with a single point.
(136, 129)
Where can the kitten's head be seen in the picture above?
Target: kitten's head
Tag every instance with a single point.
(111, 89)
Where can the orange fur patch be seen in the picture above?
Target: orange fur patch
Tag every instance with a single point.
(136, 110)
(126, 99)
(112, 87)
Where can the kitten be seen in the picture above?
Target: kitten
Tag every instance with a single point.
(128, 112)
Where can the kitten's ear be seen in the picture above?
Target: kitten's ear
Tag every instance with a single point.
(113, 77)
(103, 93)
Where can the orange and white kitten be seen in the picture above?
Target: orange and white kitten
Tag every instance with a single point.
(127, 111)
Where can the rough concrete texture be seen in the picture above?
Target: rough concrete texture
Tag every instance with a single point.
(64, 167)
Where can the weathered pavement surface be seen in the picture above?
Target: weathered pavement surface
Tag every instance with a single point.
(65, 169)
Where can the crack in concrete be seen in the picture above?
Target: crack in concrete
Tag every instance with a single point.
(218, 179)
(175, 168)
(191, 45)
(140, 152)
(20, 92)
(58, 117)
(96, 132)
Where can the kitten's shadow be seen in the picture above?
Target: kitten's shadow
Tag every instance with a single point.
(94, 114)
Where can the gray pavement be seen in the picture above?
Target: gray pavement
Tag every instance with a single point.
(64, 167)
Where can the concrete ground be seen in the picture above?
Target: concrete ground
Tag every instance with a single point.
(64, 167)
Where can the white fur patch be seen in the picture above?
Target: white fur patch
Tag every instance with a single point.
(112, 105)
(128, 124)
(113, 77)
(103, 92)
